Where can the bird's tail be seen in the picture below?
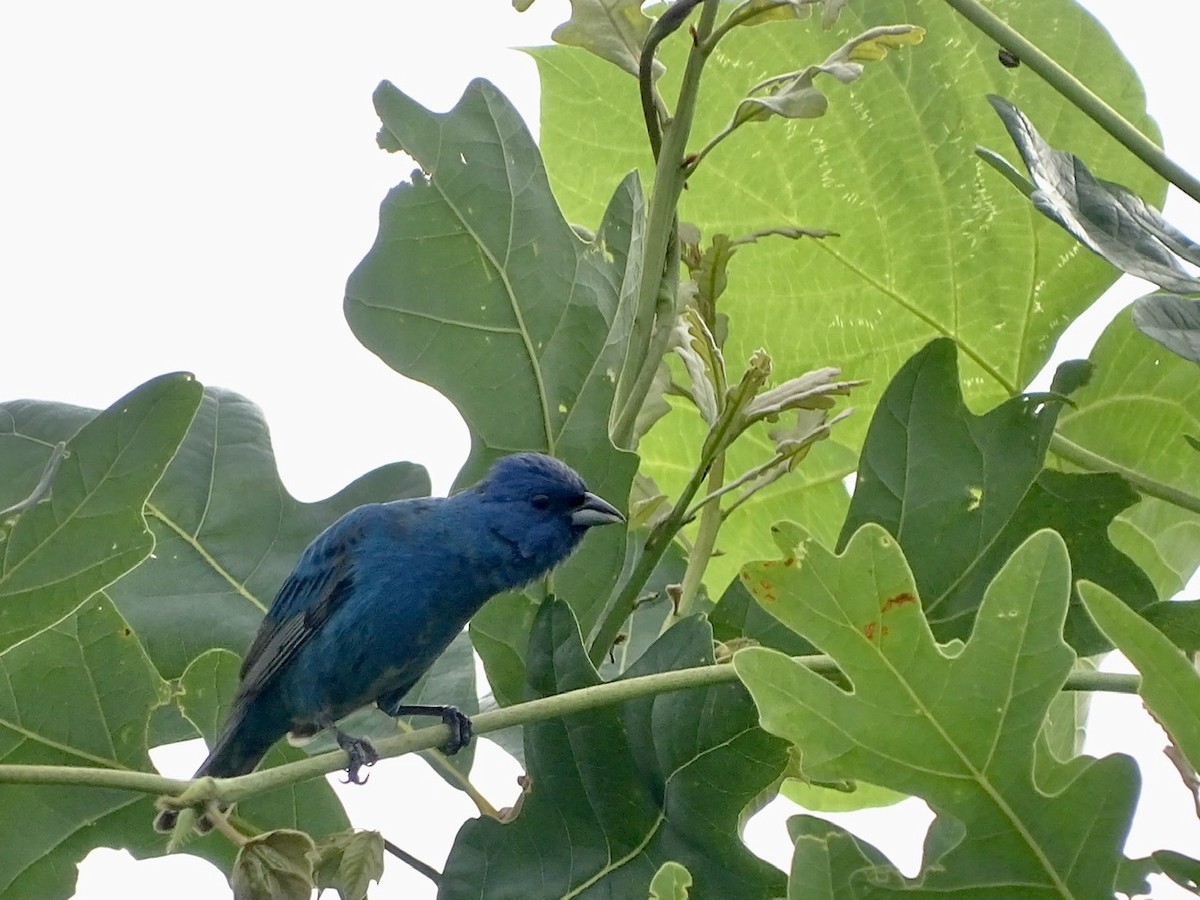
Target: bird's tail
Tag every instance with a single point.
(238, 750)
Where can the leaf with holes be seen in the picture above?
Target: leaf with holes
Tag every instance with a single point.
(621, 790)
(960, 492)
(957, 727)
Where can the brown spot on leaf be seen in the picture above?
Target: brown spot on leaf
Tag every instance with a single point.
(898, 600)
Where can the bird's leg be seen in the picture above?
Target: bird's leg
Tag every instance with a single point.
(454, 719)
(359, 750)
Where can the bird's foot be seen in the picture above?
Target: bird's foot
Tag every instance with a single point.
(361, 754)
(461, 729)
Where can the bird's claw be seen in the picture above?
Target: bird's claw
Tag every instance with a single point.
(361, 754)
(460, 727)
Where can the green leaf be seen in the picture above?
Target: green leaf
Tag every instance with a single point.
(274, 866)
(348, 862)
(737, 615)
(207, 689)
(477, 286)
(90, 531)
(1133, 415)
(612, 29)
(620, 790)
(1181, 869)
(794, 97)
(1108, 219)
(1170, 684)
(1171, 320)
(845, 797)
(828, 859)
(958, 729)
(500, 633)
(670, 882)
(932, 242)
(1179, 620)
(961, 492)
(227, 534)
(78, 693)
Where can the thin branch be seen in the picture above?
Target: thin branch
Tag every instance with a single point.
(1078, 94)
(231, 790)
(669, 22)
(1094, 462)
(424, 868)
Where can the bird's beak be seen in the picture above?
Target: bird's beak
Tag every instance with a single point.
(595, 511)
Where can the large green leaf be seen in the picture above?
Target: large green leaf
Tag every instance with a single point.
(78, 693)
(227, 533)
(619, 791)
(477, 286)
(957, 727)
(932, 242)
(90, 531)
(961, 492)
(1135, 414)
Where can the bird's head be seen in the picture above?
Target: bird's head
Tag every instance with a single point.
(541, 506)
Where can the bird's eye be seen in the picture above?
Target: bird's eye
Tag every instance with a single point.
(540, 501)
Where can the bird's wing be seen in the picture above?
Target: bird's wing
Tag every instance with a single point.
(322, 579)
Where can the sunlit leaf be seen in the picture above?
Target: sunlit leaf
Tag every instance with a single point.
(958, 728)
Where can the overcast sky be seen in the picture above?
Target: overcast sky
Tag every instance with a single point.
(188, 186)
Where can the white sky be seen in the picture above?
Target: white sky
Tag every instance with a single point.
(188, 186)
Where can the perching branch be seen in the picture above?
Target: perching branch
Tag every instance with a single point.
(231, 790)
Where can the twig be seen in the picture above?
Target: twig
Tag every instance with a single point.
(424, 868)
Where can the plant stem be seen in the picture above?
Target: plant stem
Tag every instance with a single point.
(1078, 94)
(657, 542)
(1094, 462)
(702, 549)
(557, 706)
(655, 311)
(619, 608)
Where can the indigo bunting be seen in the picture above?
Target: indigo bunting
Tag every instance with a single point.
(377, 597)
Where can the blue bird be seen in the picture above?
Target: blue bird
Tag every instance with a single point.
(381, 593)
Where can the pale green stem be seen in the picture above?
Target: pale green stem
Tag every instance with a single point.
(654, 316)
(702, 548)
(1094, 462)
(234, 789)
(1078, 94)
(619, 607)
